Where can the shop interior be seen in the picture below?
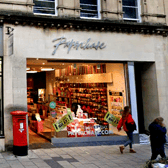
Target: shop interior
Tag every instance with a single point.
(90, 90)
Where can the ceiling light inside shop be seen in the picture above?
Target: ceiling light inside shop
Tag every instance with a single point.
(47, 69)
(31, 71)
(43, 63)
(27, 69)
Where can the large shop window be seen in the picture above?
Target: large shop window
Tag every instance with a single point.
(75, 99)
(1, 102)
(131, 10)
(45, 7)
(90, 9)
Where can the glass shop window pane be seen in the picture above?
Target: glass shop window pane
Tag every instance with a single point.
(89, 8)
(91, 2)
(129, 2)
(89, 15)
(44, 7)
(130, 13)
(86, 7)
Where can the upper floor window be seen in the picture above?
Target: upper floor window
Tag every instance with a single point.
(131, 10)
(45, 7)
(90, 9)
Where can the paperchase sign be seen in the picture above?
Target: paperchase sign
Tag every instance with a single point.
(76, 44)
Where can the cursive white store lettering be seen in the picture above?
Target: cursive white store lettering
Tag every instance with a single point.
(77, 44)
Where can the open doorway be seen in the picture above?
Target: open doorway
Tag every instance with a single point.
(36, 84)
(147, 94)
(138, 80)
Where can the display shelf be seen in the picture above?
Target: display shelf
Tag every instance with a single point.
(89, 101)
(90, 95)
(62, 97)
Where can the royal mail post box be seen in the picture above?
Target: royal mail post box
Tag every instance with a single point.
(20, 145)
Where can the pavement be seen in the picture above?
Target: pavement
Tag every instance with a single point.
(105, 156)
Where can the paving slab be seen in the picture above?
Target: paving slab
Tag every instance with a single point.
(105, 156)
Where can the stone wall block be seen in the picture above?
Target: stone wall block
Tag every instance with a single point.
(68, 8)
(17, 6)
(21, 102)
(153, 11)
(166, 10)
(149, 87)
(8, 99)
(151, 110)
(8, 124)
(19, 93)
(68, 3)
(149, 93)
(19, 72)
(19, 83)
(162, 91)
(148, 75)
(161, 66)
(111, 9)
(163, 107)
(161, 78)
(19, 62)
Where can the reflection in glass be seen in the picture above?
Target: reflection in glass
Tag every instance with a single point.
(89, 8)
(44, 7)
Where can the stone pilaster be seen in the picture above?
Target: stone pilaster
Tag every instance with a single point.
(68, 8)
(161, 58)
(111, 9)
(153, 11)
(21, 6)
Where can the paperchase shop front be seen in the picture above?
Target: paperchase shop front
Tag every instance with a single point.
(74, 83)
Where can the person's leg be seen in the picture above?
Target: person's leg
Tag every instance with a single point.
(130, 135)
(129, 142)
(126, 143)
(162, 152)
(154, 152)
(154, 156)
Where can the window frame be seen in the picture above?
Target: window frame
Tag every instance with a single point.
(56, 11)
(98, 12)
(138, 7)
(2, 134)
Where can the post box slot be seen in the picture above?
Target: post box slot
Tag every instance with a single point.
(21, 120)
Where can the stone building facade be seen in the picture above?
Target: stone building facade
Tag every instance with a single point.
(138, 38)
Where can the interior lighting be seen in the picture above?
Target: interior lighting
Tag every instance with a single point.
(43, 63)
(27, 69)
(47, 69)
(31, 71)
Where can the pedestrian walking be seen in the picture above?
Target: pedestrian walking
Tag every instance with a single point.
(157, 138)
(129, 126)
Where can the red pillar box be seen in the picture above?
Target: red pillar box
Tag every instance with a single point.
(20, 146)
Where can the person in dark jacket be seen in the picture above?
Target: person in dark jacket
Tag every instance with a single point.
(157, 137)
